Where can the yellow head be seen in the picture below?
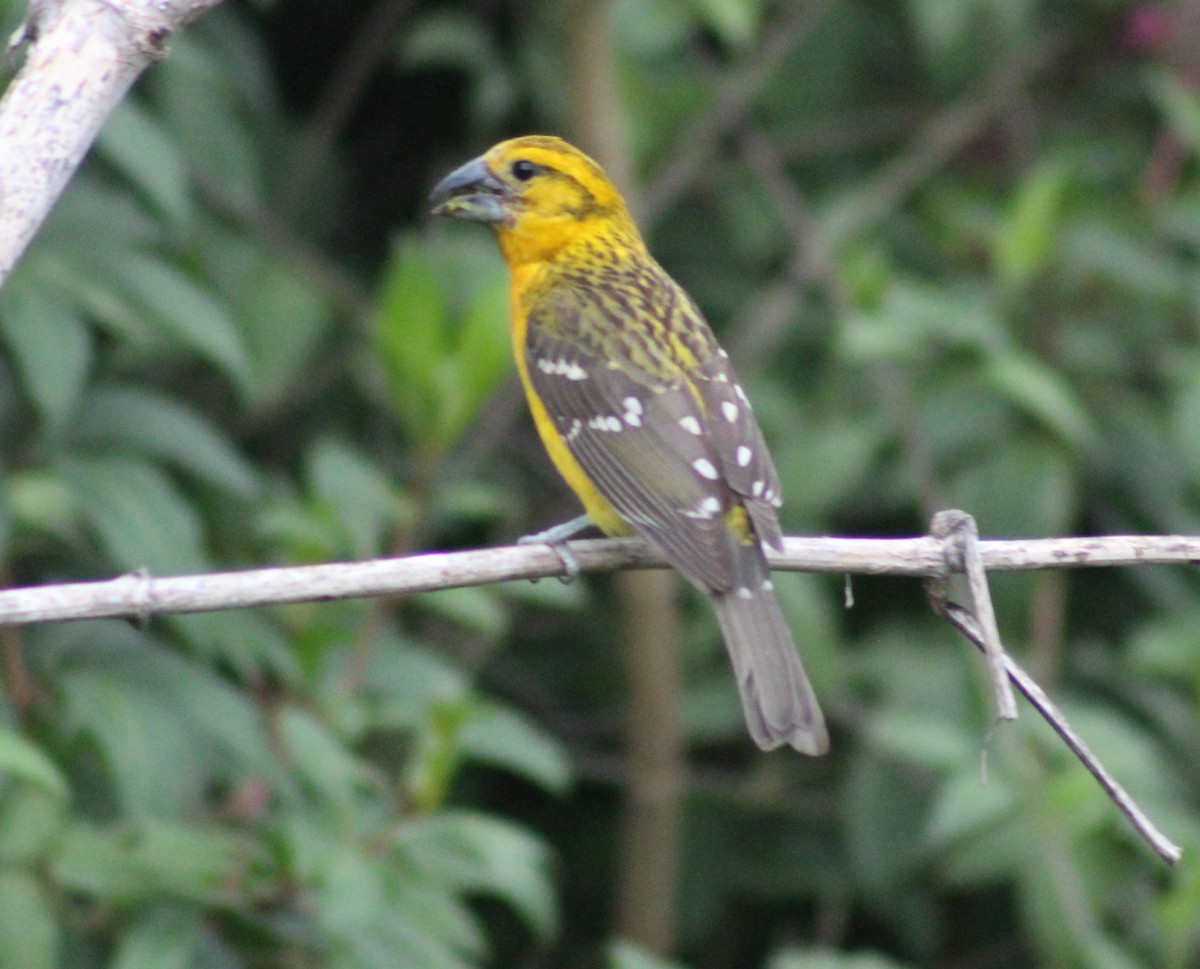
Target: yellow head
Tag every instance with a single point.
(540, 194)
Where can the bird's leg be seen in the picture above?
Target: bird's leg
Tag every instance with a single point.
(556, 537)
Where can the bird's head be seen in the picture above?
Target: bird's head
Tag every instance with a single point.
(539, 193)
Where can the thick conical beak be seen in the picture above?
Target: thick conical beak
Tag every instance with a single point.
(471, 192)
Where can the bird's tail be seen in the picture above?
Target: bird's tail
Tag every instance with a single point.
(779, 703)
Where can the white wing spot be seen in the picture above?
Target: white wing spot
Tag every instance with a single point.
(722, 378)
(690, 424)
(744, 593)
(769, 494)
(722, 354)
(603, 422)
(743, 455)
(576, 427)
(705, 469)
(757, 489)
(706, 509)
(737, 389)
(562, 367)
(730, 411)
(768, 585)
(633, 411)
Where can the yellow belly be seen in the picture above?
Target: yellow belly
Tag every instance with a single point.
(602, 514)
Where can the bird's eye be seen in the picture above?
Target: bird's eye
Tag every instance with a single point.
(523, 170)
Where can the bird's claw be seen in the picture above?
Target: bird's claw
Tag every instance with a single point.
(562, 550)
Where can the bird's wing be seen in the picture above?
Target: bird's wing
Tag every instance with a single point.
(746, 464)
(651, 443)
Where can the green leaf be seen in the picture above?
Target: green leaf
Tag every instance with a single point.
(434, 762)
(29, 932)
(284, 315)
(367, 501)
(144, 862)
(914, 318)
(481, 358)
(1019, 486)
(20, 758)
(51, 348)
(31, 819)
(249, 642)
(188, 313)
(135, 143)
(506, 739)
(797, 958)
(162, 938)
(168, 728)
(321, 759)
(1178, 102)
(141, 422)
(207, 116)
(38, 500)
(411, 338)
(1099, 249)
(734, 21)
(916, 737)
(479, 853)
(479, 608)
(1043, 394)
(626, 955)
(942, 26)
(351, 895)
(140, 517)
(405, 680)
(1025, 238)
(968, 805)
(135, 733)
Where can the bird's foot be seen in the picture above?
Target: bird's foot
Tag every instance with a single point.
(556, 537)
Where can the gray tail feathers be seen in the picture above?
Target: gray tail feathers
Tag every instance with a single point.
(779, 703)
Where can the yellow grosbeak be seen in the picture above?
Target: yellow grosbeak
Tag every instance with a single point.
(638, 405)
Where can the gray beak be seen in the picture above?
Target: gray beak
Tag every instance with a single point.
(471, 192)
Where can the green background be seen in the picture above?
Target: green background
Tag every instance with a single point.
(952, 246)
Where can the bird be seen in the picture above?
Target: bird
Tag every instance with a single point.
(638, 406)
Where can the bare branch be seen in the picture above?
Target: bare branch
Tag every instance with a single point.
(733, 96)
(84, 55)
(946, 135)
(924, 557)
(141, 596)
(1166, 849)
(348, 80)
(961, 535)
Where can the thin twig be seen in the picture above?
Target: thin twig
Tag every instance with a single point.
(1166, 849)
(939, 141)
(349, 78)
(811, 263)
(735, 92)
(961, 535)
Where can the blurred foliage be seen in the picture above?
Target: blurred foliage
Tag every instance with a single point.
(954, 246)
